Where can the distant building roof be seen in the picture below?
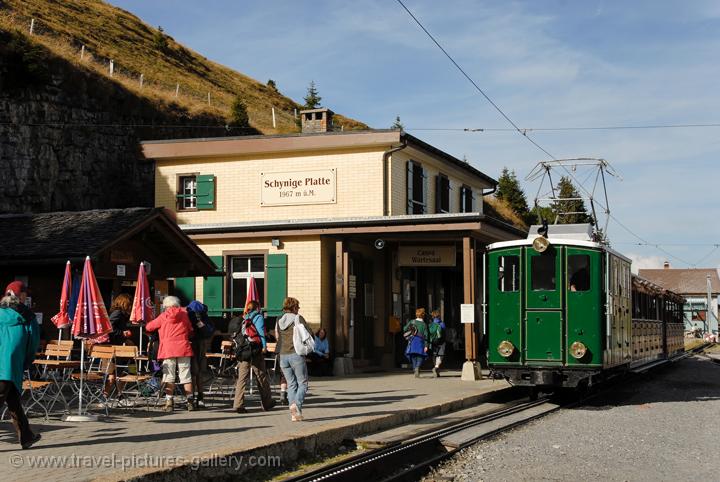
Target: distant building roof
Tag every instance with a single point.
(50, 238)
(684, 281)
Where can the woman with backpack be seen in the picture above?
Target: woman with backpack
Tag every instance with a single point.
(253, 329)
(202, 330)
(437, 340)
(294, 343)
(416, 334)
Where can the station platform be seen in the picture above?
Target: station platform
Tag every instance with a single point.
(217, 442)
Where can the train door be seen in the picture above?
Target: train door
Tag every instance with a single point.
(543, 319)
(584, 309)
(504, 275)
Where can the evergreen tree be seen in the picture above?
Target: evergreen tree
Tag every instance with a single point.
(159, 39)
(312, 99)
(567, 190)
(272, 85)
(397, 124)
(239, 114)
(510, 191)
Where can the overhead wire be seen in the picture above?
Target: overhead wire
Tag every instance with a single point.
(524, 133)
(564, 128)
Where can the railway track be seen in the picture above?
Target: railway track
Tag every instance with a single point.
(410, 459)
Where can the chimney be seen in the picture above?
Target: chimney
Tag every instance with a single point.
(666, 265)
(316, 120)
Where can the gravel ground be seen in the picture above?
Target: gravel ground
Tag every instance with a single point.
(657, 428)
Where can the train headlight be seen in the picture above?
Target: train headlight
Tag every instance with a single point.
(578, 350)
(506, 349)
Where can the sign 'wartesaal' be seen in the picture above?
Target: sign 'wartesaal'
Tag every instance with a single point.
(426, 256)
(299, 187)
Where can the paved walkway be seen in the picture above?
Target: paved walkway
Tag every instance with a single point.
(127, 446)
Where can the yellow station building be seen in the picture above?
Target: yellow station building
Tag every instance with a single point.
(361, 226)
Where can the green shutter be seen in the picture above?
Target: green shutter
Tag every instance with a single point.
(213, 289)
(276, 276)
(206, 192)
(185, 289)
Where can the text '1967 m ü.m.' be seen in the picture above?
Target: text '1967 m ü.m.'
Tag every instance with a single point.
(564, 310)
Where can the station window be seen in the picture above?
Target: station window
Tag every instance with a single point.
(578, 272)
(509, 273)
(187, 195)
(242, 268)
(442, 194)
(543, 272)
(416, 189)
(466, 199)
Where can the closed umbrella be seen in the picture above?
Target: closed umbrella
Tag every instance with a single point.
(91, 321)
(252, 292)
(62, 319)
(142, 309)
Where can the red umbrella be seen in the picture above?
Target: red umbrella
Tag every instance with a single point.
(91, 317)
(142, 309)
(91, 321)
(252, 292)
(62, 320)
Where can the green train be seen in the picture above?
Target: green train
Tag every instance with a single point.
(563, 310)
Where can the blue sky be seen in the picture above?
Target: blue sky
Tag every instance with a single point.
(556, 63)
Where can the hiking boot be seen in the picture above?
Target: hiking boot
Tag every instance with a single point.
(241, 410)
(169, 406)
(190, 406)
(269, 406)
(32, 441)
(436, 373)
(417, 373)
(283, 398)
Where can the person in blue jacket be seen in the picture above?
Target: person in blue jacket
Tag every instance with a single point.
(19, 339)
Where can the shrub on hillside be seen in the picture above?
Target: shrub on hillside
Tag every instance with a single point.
(238, 114)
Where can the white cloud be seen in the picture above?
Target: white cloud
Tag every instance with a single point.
(645, 262)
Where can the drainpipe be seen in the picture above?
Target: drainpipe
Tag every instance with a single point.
(386, 157)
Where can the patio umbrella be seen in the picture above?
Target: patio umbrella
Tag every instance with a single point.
(91, 321)
(62, 319)
(142, 309)
(252, 292)
(74, 295)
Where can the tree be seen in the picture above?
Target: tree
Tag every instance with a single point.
(272, 85)
(569, 208)
(160, 39)
(510, 191)
(397, 124)
(238, 114)
(312, 99)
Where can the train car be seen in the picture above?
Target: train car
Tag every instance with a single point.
(564, 310)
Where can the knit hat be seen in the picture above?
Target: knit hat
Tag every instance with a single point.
(16, 287)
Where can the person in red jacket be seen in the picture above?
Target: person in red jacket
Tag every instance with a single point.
(175, 350)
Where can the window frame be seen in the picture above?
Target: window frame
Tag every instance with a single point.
(501, 269)
(180, 191)
(228, 258)
(569, 276)
(465, 192)
(412, 202)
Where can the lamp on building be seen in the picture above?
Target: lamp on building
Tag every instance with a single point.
(276, 243)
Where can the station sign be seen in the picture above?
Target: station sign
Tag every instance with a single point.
(298, 187)
(441, 256)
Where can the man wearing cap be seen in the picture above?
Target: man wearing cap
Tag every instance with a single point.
(19, 339)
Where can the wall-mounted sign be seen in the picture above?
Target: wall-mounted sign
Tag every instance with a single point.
(467, 313)
(121, 270)
(426, 256)
(299, 187)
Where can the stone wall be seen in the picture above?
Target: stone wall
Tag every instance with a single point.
(69, 138)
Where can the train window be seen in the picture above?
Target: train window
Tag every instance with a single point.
(543, 272)
(509, 273)
(578, 272)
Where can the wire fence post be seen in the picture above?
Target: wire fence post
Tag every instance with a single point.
(273, 117)
(82, 52)
(32, 26)
(295, 113)
(142, 78)
(112, 67)
(177, 89)
(208, 98)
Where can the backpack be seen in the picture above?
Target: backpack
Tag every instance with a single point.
(246, 342)
(410, 331)
(303, 341)
(437, 335)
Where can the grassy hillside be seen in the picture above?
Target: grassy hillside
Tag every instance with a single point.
(108, 32)
(500, 209)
